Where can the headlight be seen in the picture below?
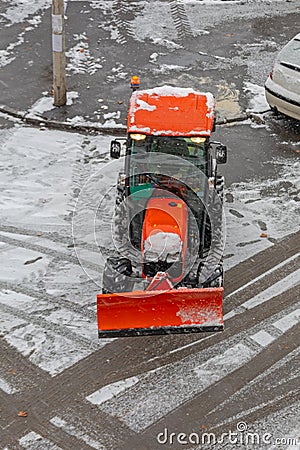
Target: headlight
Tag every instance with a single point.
(198, 139)
(138, 137)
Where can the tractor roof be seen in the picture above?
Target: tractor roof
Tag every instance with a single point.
(171, 111)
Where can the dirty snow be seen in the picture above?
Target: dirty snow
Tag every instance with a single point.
(79, 58)
(21, 10)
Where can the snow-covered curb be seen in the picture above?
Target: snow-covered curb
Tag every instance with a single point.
(38, 120)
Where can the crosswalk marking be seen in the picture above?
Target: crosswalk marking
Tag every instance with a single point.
(277, 288)
(263, 338)
(73, 431)
(265, 274)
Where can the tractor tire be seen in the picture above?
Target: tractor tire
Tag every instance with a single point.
(216, 279)
(121, 222)
(219, 186)
(116, 275)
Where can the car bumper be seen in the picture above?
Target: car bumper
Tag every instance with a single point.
(280, 99)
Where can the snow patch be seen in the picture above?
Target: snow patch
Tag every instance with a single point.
(258, 103)
(20, 9)
(5, 55)
(80, 59)
(111, 390)
(46, 103)
(160, 244)
(145, 106)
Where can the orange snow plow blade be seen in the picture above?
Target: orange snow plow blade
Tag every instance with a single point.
(141, 313)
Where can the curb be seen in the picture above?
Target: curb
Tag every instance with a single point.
(38, 121)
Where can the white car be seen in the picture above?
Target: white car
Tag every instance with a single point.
(282, 87)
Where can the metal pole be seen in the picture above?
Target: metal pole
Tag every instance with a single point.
(58, 51)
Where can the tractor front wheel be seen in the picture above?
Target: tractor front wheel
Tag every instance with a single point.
(116, 275)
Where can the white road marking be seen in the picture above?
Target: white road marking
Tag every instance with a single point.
(293, 279)
(6, 387)
(220, 365)
(263, 338)
(111, 390)
(265, 274)
(51, 352)
(288, 321)
(161, 391)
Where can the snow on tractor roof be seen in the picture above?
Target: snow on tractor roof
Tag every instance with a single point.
(171, 111)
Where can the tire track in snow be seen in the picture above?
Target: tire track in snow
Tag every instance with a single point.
(62, 304)
(123, 12)
(180, 19)
(47, 251)
(52, 301)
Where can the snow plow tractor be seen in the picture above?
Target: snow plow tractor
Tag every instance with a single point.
(167, 273)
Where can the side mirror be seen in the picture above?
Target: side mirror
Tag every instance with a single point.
(221, 154)
(115, 149)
